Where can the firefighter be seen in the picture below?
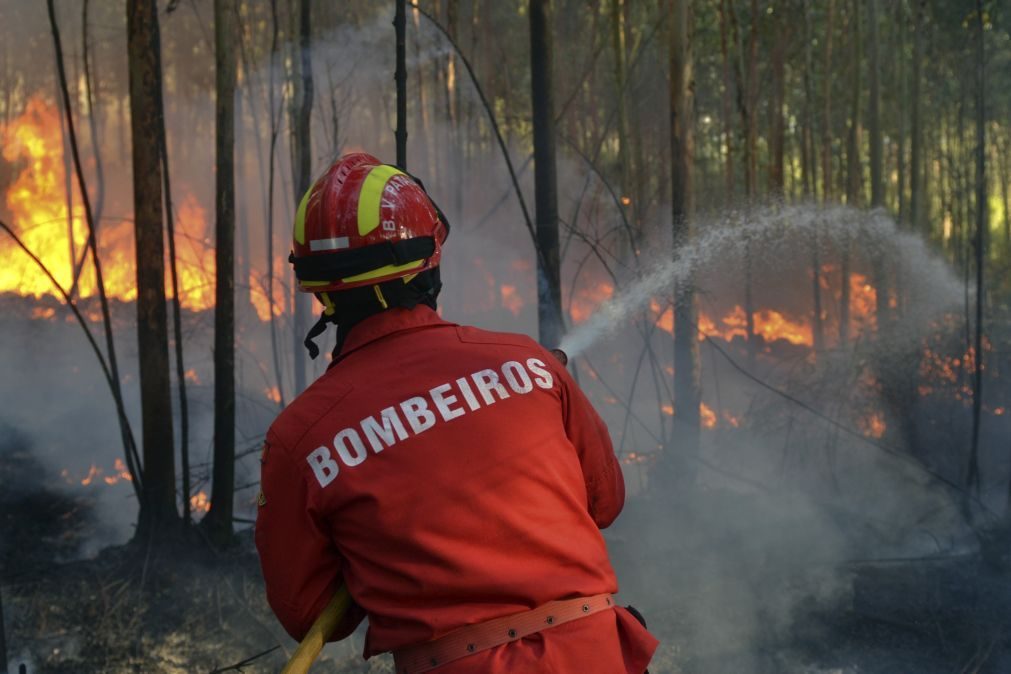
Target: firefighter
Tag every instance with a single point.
(454, 480)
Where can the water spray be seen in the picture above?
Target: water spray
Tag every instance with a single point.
(932, 280)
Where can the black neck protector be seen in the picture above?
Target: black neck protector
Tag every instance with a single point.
(351, 307)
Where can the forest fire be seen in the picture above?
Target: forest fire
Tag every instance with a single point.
(771, 325)
(52, 224)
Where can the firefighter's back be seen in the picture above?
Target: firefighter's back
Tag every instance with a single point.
(439, 461)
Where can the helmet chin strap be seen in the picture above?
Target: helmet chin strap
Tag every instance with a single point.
(358, 304)
(329, 315)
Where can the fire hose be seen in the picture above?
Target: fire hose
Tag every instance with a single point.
(309, 649)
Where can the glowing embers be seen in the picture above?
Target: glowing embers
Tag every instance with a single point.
(873, 425)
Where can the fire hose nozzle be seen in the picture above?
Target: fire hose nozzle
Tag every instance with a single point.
(561, 356)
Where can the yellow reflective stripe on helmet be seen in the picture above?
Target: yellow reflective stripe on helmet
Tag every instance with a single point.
(384, 271)
(300, 216)
(371, 196)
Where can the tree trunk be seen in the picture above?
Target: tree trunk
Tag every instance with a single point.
(219, 519)
(916, 177)
(826, 130)
(624, 146)
(751, 130)
(177, 328)
(903, 205)
(458, 174)
(809, 161)
(301, 153)
(854, 174)
(778, 135)
(877, 159)
(275, 125)
(158, 508)
(1004, 162)
(687, 396)
(400, 76)
(728, 134)
(549, 298)
(874, 108)
(973, 482)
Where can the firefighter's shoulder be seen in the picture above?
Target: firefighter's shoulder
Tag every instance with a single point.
(471, 335)
(307, 410)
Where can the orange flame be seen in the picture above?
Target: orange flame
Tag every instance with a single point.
(707, 416)
(118, 474)
(589, 299)
(200, 503)
(37, 202)
(511, 299)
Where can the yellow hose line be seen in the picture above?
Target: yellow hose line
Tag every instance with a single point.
(307, 651)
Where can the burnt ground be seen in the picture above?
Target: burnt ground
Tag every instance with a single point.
(188, 608)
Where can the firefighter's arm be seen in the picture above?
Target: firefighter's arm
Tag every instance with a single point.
(301, 566)
(605, 485)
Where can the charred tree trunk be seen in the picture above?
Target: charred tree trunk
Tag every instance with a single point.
(301, 166)
(687, 396)
(158, 508)
(549, 297)
(219, 519)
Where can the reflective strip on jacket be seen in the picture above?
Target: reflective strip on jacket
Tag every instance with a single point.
(447, 475)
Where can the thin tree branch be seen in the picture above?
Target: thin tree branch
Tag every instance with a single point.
(130, 447)
(69, 301)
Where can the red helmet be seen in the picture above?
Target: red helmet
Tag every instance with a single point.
(363, 223)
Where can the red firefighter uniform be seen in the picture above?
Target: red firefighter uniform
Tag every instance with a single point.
(448, 476)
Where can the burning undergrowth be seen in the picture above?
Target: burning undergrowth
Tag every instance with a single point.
(41, 522)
